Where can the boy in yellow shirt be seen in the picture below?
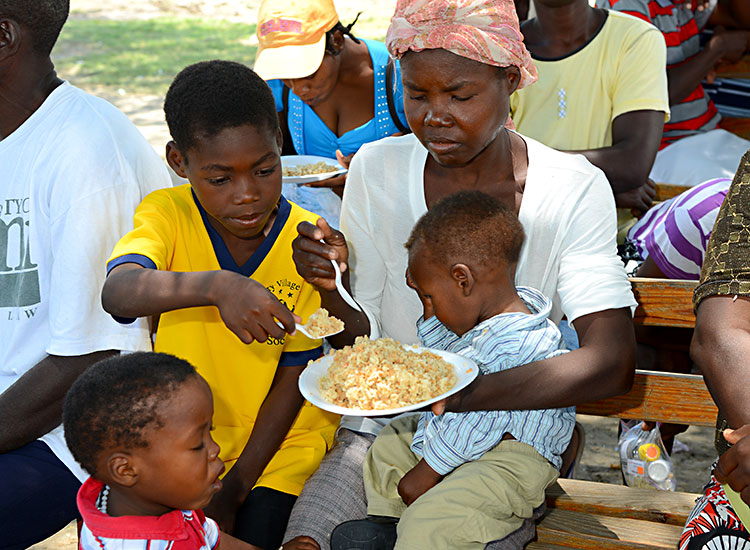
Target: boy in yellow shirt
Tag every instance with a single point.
(214, 260)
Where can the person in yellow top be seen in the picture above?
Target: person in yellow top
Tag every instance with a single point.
(214, 260)
(601, 92)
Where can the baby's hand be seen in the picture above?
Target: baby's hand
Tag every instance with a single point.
(301, 543)
(249, 310)
(417, 482)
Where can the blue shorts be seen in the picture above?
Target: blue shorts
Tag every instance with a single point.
(37, 495)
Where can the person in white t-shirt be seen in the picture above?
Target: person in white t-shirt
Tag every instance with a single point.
(457, 81)
(73, 170)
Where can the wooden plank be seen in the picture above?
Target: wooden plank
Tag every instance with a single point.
(590, 532)
(738, 126)
(663, 302)
(740, 69)
(543, 546)
(660, 396)
(665, 191)
(591, 497)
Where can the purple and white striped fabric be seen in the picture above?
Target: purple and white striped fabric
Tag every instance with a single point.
(675, 233)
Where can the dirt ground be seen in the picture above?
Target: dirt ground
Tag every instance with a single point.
(600, 460)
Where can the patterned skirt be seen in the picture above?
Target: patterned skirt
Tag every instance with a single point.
(713, 524)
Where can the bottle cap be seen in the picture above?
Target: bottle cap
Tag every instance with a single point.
(658, 470)
(649, 452)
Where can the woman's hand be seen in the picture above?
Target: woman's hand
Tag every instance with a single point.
(734, 465)
(344, 161)
(639, 200)
(312, 258)
(249, 310)
(336, 183)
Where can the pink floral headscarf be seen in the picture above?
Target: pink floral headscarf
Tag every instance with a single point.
(483, 30)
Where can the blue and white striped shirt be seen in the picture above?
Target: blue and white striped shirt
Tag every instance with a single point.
(505, 341)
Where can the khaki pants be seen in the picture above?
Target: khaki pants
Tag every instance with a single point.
(477, 503)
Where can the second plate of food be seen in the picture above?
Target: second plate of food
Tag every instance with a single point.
(383, 377)
(303, 169)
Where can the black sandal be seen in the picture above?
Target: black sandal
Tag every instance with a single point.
(365, 534)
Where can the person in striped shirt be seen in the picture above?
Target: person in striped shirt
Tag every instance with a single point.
(462, 256)
(692, 148)
(672, 237)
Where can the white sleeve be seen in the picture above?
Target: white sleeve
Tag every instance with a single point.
(367, 267)
(91, 207)
(592, 277)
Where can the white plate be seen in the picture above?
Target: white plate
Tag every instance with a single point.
(465, 369)
(295, 160)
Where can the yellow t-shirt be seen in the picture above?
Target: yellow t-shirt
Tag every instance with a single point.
(171, 232)
(576, 98)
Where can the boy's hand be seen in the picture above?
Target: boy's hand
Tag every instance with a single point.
(249, 310)
(223, 508)
(734, 465)
(313, 258)
(417, 482)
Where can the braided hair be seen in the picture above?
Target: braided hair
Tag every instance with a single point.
(345, 30)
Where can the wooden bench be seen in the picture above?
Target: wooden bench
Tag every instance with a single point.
(665, 191)
(740, 69)
(601, 516)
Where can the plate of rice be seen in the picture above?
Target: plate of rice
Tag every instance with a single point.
(302, 169)
(383, 377)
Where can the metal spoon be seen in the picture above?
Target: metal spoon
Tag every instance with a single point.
(340, 287)
(303, 330)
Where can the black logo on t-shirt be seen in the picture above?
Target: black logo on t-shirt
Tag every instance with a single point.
(19, 276)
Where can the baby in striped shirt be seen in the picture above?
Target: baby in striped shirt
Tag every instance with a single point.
(462, 480)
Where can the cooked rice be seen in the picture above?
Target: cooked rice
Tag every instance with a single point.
(321, 323)
(308, 169)
(381, 374)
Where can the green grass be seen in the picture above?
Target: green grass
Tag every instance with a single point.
(144, 56)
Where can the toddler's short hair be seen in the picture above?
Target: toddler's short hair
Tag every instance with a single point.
(208, 97)
(115, 401)
(469, 226)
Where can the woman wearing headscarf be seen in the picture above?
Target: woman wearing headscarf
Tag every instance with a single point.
(334, 92)
(460, 61)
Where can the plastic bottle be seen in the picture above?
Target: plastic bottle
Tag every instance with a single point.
(644, 461)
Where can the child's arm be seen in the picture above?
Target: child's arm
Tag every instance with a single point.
(417, 482)
(245, 306)
(228, 542)
(274, 419)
